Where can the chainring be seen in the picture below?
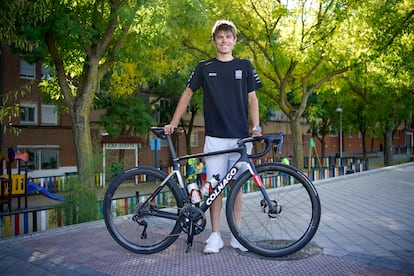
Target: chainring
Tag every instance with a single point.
(192, 214)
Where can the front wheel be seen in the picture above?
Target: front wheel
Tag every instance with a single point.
(137, 224)
(293, 221)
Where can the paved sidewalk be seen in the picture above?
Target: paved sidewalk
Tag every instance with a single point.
(367, 228)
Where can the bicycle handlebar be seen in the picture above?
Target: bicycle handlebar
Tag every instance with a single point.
(159, 131)
(269, 140)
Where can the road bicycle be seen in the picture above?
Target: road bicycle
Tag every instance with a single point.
(146, 209)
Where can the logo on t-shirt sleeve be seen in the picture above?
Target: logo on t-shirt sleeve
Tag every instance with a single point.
(238, 74)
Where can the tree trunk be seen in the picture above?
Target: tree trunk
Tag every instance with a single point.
(83, 143)
(297, 143)
(323, 142)
(80, 113)
(388, 158)
(364, 144)
(194, 110)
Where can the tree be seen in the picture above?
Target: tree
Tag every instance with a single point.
(320, 112)
(127, 115)
(296, 49)
(383, 78)
(82, 39)
(375, 95)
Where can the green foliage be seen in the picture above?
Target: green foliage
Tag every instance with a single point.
(384, 80)
(81, 202)
(116, 168)
(20, 21)
(127, 115)
(10, 109)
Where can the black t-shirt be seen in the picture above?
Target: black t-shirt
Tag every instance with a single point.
(226, 86)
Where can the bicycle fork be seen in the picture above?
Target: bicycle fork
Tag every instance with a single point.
(266, 202)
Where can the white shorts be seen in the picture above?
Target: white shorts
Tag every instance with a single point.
(221, 164)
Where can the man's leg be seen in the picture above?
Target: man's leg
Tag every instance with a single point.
(215, 165)
(238, 205)
(215, 212)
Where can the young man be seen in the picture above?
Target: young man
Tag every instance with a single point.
(229, 95)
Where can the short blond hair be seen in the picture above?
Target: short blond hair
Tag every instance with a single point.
(223, 25)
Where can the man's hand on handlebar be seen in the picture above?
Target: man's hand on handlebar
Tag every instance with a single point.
(169, 129)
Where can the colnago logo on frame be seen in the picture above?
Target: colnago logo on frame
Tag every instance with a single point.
(220, 187)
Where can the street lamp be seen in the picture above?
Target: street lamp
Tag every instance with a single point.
(340, 134)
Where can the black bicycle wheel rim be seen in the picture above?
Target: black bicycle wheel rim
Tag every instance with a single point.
(124, 192)
(291, 227)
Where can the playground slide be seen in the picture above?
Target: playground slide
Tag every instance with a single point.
(33, 187)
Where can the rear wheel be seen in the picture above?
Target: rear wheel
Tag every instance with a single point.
(294, 220)
(138, 226)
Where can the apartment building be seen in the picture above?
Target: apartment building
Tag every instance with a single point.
(43, 130)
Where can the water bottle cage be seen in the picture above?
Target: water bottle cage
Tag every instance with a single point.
(195, 196)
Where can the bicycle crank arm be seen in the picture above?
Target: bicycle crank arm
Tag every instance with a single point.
(190, 237)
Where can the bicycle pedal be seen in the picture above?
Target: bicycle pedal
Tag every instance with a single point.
(188, 247)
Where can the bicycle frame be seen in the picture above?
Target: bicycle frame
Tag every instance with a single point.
(152, 222)
(244, 160)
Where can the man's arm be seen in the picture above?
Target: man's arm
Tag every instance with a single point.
(179, 110)
(254, 111)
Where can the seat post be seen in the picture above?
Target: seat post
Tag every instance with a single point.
(172, 151)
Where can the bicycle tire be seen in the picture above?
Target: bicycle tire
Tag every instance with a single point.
(121, 199)
(298, 211)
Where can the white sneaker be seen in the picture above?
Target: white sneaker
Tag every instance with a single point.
(214, 243)
(235, 244)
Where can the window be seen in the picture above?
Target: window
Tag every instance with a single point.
(194, 139)
(162, 111)
(42, 158)
(27, 71)
(49, 114)
(28, 113)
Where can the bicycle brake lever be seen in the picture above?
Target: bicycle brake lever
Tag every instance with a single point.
(278, 147)
(178, 129)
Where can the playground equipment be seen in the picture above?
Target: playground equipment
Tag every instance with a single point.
(13, 185)
(33, 188)
(17, 185)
